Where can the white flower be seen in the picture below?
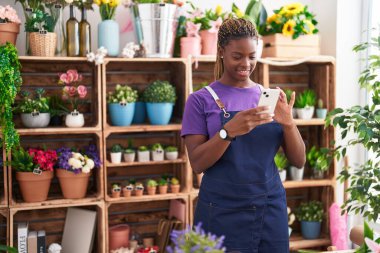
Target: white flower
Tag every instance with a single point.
(54, 248)
(127, 53)
(78, 156)
(86, 169)
(99, 59)
(69, 1)
(74, 163)
(90, 163)
(90, 57)
(102, 50)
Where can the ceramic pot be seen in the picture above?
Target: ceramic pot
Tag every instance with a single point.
(74, 119)
(73, 186)
(34, 187)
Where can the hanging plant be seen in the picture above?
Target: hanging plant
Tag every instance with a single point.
(10, 82)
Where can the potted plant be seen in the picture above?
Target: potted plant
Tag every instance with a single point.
(57, 110)
(121, 105)
(139, 189)
(34, 171)
(319, 161)
(74, 170)
(174, 185)
(157, 152)
(116, 152)
(127, 189)
(140, 110)
(321, 111)
(296, 174)
(310, 215)
(304, 103)
(162, 186)
(116, 190)
(9, 25)
(35, 112)
(171, 153)
(129, 155)
(151, 186)
(160, 97)
(10, 83)
(143, 154)
(42, 38)
(73, 92)
(281, 163)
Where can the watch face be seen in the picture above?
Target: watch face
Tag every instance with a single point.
(223, 134)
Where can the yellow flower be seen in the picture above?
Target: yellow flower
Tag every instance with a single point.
(274, 18)
(105, 1)
(308, 27)
(288, 29)
(114, 3)
(291, 10)
(97, 2)
(218, 10)
(239, 13)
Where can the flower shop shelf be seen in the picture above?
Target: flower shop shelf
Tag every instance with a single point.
(4, 225)
(127, 164)
(141, 128)
(54, 203)
(297, 242)
(58, 130)
(43, 72)
(52, 220)
(144, 198)
(143, 218)
(310, 122)
(308, 183)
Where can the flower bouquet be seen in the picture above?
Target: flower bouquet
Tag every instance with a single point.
(9, 25)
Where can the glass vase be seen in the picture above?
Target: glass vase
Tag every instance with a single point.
(59, 30)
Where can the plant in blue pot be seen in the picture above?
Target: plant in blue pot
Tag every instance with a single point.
(140, 110)
(121, 105)
(160, 97)
(310, 215)
(108, 29)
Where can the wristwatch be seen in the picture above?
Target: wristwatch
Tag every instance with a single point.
(223, 134)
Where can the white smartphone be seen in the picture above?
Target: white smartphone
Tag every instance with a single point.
(269, 97)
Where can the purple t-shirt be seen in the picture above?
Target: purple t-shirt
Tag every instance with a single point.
(202, 114)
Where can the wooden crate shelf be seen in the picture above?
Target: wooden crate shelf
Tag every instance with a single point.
(141, 128)
(136, 163)
(297, 242)
(58, 130)
(289, 184)
(143, 217)
(4, 226)
(146, 197)
(3, 179)
(52, 220)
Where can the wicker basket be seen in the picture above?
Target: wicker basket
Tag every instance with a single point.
(43, 44)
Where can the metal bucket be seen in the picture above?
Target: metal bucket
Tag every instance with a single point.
(156, 26)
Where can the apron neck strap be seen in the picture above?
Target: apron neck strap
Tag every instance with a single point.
(218, 101)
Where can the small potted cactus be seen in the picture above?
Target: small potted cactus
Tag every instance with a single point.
(174, 185)
(139, 189)
(129, 155)
(143, 154)
(321, 111)
(157, 152)
(162, 186)
(116, 190)
(171, 152)
(127, 189)
(116, 151)
(151, 186)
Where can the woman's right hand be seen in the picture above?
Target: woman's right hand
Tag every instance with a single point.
(243, 122)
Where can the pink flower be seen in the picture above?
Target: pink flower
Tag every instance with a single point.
(197, 13)
(192, 29)
(215, 25)
(72, 90)
(8, 14)
(73, 75)
(82, 91)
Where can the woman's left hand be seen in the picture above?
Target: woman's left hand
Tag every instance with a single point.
(283, 112)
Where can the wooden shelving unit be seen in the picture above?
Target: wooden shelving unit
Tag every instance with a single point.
(297, 242)
(4, 225)
(3, 181)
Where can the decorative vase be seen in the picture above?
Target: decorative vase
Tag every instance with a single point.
(296, 174)
(121, 114)
(159, 113)
(321, 113)
(35, 119)
(282, 175)
(140, 113)
(34, 187)
(310, 229)
(43, 44)
(171, 155)
(190, 46)
(129, 157)
(9, 32)
(209, 42)
(305, 113)
(108, 36)
(73, 186)
(74, 119)
(116, 157)
(118, 236)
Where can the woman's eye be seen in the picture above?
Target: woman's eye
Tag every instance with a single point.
(252, 57)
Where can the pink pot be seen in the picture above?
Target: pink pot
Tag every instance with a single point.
(118, 236)
(190, 46)
(209, 42)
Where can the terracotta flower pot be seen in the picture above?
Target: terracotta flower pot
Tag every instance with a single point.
(118, 236)
(151, 190)
(163, 189)
(73, 186)
(175, 188)
(209, 42)
(116, 194)
(127, 193)
(34, 188)
(139, 192)
(8, 33)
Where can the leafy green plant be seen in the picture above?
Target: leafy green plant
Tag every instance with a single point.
(116, 187)
(364, 123)
(160, 92)
(129, 151)
(174, 181)
(310, 211)
(21, 160)
(151, 183)
(280, 161)
(157, 147)
(200, 86)
(305, 99)
(10, 83)
(116, 148)
(57, 106)
(36, 104)
(171, 149)
(320, 103)
(7, 249)
(122, 94)
(288, 94)
(162, 182)
(254, 12)
(143, 148)
(39, 20)
(319, 159)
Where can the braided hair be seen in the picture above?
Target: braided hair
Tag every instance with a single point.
(232, 29)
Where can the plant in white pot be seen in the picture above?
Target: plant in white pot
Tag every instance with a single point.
(310, 215)
(129, 155)
(121, 105)
(116, 152)
(319, 161)
(281, 163)
(143, 154)
(171, 152)
(157, 152)
(305, 102)
(296, 174)
(321, 111)
(35, 112)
